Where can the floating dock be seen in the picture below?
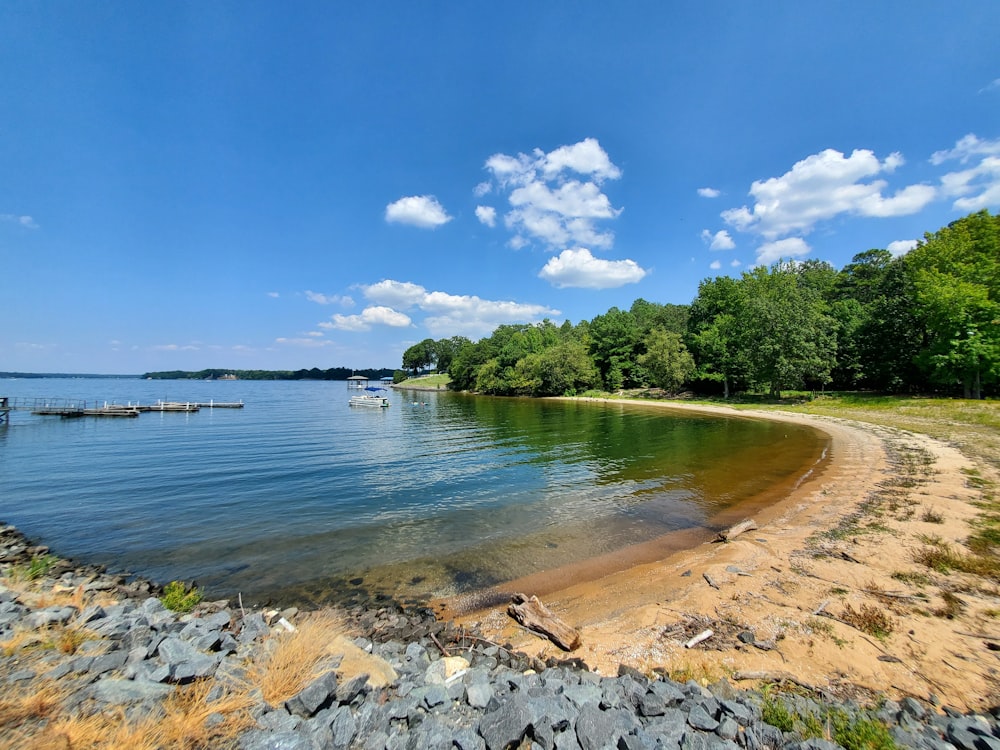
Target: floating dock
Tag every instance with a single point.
(71, 408)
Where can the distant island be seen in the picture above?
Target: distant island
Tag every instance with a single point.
(334, 373)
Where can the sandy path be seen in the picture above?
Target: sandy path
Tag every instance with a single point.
(805, 559)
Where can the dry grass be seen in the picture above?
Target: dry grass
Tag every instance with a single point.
(869, 619)
(36, 720)
(295, 659)
(34, 715)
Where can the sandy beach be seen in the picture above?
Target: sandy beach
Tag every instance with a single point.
(798, 597)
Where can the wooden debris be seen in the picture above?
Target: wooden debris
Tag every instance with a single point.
(710, 581)
(704, 635)
(535, 616)
(747, 524)
(771, 676)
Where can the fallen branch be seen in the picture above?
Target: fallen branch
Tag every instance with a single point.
(704, 635)
(535, 616)
(747, 524)
(772, 676)
(710, 581)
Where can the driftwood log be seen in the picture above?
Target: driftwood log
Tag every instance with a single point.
(747, 524)
(535, 616)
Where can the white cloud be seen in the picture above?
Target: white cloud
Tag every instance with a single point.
(174, 348)
(308, 343)
(447, 314)
(329, 299)
(487, 215)
(549, 202)
(273, 295)
(901, 247)
(966, 148)
(735, 263)
(586, 157)
(821, 187)
(791, 247)
(721, 240)
(979, 186)
(579, 268)
(25, 222)
(375, 315)
(422, 211)
(715, 265)
(400, 294)
(707, 192)
(993, 85)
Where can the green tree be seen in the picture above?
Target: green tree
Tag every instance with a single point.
(956, 276)
(667, 360)
(613, 343)
(784, 332)
(419, 356)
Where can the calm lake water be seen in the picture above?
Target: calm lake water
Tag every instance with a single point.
(300, 497)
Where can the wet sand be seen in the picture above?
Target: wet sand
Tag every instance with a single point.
(793, 585)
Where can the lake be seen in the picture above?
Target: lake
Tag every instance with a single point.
(299, 497)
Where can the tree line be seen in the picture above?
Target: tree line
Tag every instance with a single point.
(925, 321)
(333, 373)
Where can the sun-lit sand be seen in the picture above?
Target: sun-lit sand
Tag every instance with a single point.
(793, 586)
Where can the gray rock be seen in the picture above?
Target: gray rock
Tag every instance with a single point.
(260, 740)
(314, 696)
(107, 662)
(728, 728)
(254, 626)
(669, 729)
(597, 729)
(669, 691)
(507, 725)
(478, 694)
(348, 691)
(436, 695)
(184, 661)
(741, 712)
(123, 692)
(343, 727)
(42, 618)
(700, 719)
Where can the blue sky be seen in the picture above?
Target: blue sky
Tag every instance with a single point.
(285, 185)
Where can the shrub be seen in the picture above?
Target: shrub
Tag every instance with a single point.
(179, 598)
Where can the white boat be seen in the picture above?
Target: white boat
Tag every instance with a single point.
(370, 397)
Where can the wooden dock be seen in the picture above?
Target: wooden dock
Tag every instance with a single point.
(72, 408)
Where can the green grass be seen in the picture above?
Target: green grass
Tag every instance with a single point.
(177, 597)
(38, 566)
(853, 732)
(427, 381)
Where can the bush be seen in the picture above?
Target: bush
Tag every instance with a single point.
(177, 597)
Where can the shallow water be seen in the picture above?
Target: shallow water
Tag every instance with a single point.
(299, 496)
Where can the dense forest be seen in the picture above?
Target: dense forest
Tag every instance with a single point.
(927, 321)
(334, 373)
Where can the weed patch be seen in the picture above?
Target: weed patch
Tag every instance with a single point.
(177, 597)
(869, 619)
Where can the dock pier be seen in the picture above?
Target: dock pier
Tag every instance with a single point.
(72, 408)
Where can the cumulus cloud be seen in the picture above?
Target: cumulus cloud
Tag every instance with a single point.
(978, 186)
(25, 222)
(821, 187)
(579, 268)
(715, 265)
(487, 215)
(555, 197)
(422, 211)
(399, 294)
(273, 295)
(329, 299)
(967, 148)
(447, 314)
(901, 247)
(721, 240)
(370, 316)
(791, 247)
(707, 192)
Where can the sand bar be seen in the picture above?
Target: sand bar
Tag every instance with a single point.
(794, 582)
